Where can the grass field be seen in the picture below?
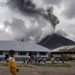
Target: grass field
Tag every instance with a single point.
(41, 69)
(67, 65)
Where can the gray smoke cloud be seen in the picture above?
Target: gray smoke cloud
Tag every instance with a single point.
(62, 33)
(5, 36)
(20, 23)
(53, 2)
(29, 8)
(69, 10)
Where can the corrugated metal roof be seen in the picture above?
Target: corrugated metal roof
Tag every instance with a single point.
(65, 48)
(22, 46)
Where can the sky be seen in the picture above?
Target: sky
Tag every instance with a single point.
(17, 25)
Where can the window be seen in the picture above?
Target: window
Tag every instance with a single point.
(42, 53)
(1, 52)
(32, 53)
(21, 53)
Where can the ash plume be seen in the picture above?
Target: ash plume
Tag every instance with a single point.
(23, 20)
(28, 7)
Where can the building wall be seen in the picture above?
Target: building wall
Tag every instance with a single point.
(21, 56)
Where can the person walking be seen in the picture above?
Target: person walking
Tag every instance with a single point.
(52, 60)
(12, 63)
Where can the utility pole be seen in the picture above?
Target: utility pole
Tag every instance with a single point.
(22, 48)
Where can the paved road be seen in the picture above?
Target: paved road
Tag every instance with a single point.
(39, 71)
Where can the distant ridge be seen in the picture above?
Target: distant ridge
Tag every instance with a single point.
(55, 41)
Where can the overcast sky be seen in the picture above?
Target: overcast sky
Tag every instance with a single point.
(15, 25)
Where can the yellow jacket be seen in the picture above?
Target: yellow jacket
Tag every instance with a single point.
(12, 64)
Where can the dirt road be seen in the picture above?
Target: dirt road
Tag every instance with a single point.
(39, 71)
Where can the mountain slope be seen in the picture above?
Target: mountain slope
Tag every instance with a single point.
(55, 41)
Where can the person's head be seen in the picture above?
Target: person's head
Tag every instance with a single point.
(12, 53)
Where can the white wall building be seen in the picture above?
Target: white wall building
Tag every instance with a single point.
(23, 49)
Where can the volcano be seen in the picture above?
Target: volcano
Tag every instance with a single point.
(55, 41)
